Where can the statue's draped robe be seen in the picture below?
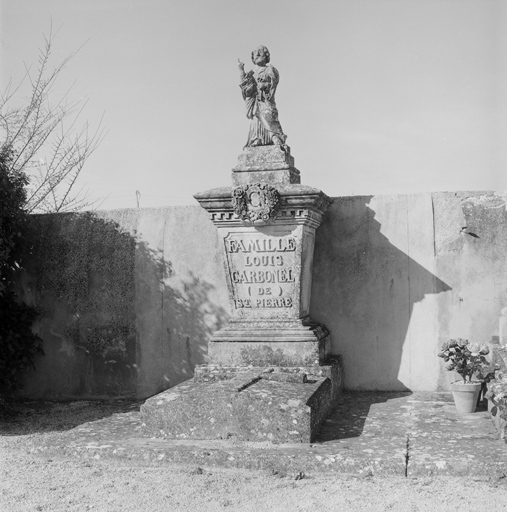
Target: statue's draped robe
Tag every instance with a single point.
(258, 90)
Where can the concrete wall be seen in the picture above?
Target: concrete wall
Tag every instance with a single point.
(129, 298)
(395, 275)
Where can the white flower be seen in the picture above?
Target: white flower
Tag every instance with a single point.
(474, 349)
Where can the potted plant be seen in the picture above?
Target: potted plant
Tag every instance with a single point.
(468, 360)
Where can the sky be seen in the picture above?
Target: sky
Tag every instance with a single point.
(376, 96)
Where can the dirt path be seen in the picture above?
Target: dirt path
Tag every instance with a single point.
(29, 482)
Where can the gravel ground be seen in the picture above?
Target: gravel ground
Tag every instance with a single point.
(32, 482)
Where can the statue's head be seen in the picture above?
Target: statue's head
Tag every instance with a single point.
(260, 56)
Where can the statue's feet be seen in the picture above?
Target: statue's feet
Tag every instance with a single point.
(256, 142)
(278, 141)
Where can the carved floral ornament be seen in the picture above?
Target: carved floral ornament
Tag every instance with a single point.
(256, 202)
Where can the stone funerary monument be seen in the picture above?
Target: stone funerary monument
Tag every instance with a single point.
(270, 375)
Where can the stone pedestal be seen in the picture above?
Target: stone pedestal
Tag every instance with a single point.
(267, 222)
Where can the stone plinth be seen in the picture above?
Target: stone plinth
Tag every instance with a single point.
(265, 163)
(265, 353)
(280, 405)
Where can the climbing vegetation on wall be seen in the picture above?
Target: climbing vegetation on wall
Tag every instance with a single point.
(86, 263)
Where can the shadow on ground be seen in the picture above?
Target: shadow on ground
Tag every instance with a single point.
(348, 418)
(23, 417)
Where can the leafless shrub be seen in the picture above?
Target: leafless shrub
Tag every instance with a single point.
(49, 143)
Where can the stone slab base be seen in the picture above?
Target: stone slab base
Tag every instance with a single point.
(364, 435)
(247, 406)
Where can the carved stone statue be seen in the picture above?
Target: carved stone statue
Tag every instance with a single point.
(258, 88)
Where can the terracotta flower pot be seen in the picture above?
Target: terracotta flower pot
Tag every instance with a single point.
(465, 395)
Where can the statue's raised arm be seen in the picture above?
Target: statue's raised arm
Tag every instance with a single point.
(258, 88)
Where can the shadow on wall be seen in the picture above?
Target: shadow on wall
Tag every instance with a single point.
(86, 275)
(364, 291)
(80, 277)
(177, 318)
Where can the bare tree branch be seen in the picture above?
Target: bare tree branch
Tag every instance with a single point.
(47, 143)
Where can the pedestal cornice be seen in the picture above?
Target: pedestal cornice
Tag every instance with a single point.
(299, 204)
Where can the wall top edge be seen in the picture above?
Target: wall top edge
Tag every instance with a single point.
(226, 193)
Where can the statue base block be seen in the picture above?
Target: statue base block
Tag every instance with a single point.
(269, 164)
(277, 404)
(281, 177)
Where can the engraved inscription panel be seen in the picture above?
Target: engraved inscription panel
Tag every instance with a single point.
(262, 270)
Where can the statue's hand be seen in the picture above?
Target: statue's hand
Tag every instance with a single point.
(241, 66)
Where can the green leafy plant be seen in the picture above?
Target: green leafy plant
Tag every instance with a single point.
(466, 358)
(12, 215)
(497, 387)
(18, 344)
